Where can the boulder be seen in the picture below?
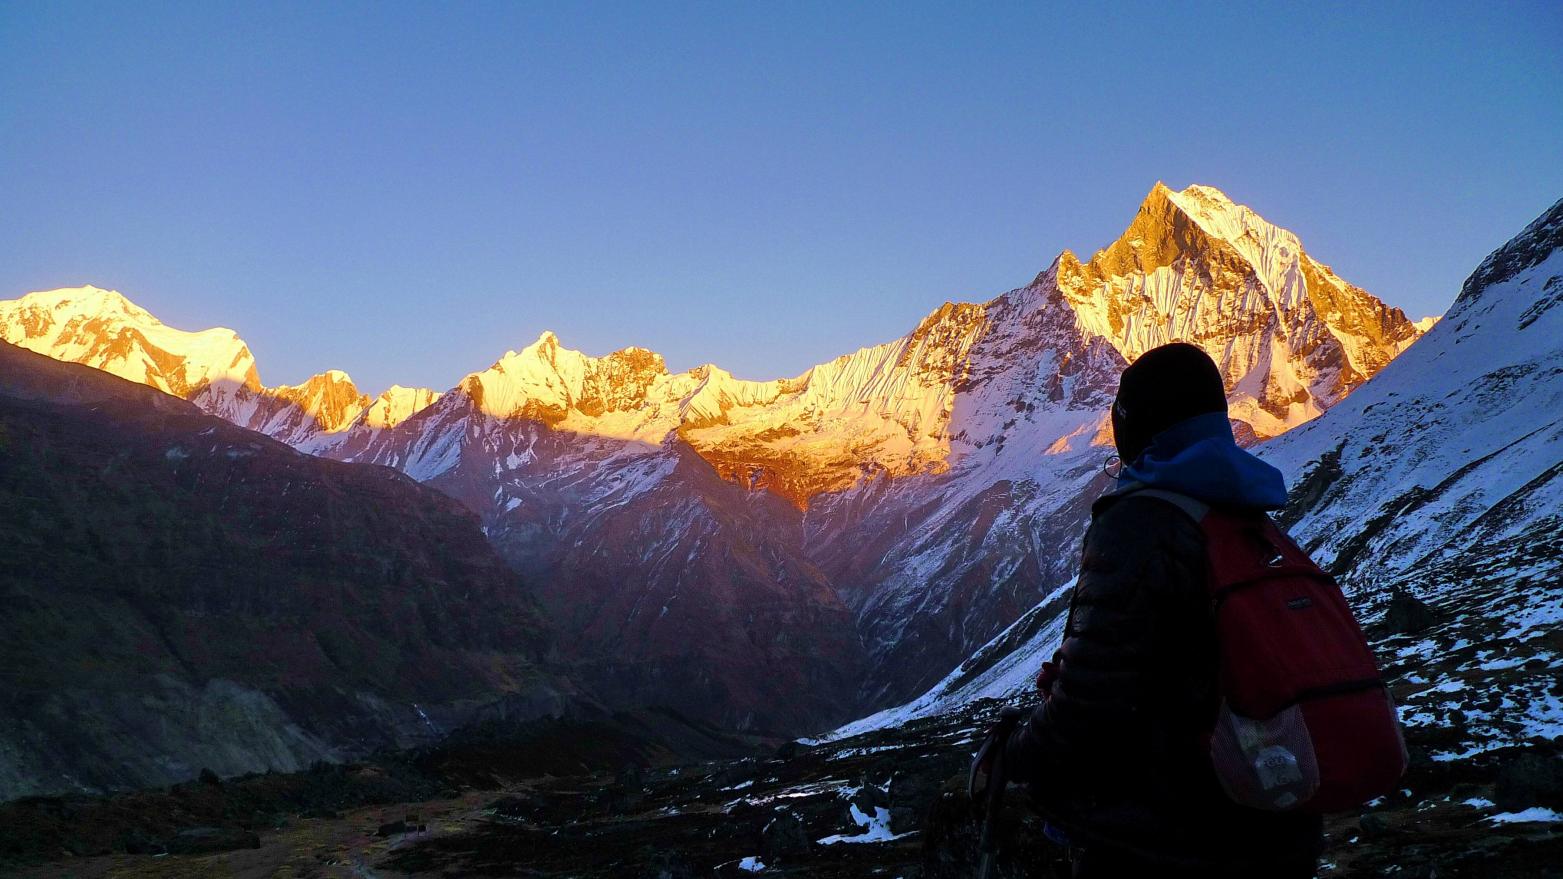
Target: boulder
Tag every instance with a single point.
(1530, 779)
(870, 797)
(1407, 614)
(784, 835)
(1372, 825)
(904, 819)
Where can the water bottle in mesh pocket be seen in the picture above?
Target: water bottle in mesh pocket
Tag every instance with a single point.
(1264, 764)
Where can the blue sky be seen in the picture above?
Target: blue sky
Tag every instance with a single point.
(406, 191)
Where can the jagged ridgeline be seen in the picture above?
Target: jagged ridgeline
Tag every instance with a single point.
(786, 555)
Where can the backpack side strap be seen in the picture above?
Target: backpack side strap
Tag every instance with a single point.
(1192, 507)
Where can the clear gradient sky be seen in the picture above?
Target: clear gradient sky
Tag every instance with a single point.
(406, 191)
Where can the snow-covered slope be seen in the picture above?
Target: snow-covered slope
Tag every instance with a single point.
(1439, 482)
(1458, 443)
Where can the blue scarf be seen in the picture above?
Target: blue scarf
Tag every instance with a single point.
(1198, 457)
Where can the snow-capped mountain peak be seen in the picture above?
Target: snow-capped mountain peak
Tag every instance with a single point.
(325, 403)
(103, 329)
(547, 381)
(397, 404)
(1275, 253)
(1291, 337)
(212, 368)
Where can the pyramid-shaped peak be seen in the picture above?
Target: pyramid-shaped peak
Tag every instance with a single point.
(546, 347)
(1207, 194)
(321, 380)
(1220, 216)
(1199, 192)
(1198, 218)
(1160, 189)
(334, 379)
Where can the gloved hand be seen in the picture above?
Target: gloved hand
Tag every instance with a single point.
(992, 747)
(1046, 677)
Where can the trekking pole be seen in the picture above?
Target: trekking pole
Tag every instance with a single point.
(988, 843)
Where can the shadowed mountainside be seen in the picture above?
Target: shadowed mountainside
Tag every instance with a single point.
(181, 593)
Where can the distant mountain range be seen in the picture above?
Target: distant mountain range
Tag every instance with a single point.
(785, 555)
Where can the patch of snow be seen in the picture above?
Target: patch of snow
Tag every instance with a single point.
(1533, 815)
(876, 828)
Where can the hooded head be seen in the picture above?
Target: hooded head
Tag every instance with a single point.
(1164, 386)
(1170, 425)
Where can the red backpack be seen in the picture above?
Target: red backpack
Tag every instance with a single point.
(1306, 722)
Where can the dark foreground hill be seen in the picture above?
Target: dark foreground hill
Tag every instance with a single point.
(182, 593)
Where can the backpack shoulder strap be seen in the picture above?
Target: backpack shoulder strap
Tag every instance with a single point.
(1192, 507)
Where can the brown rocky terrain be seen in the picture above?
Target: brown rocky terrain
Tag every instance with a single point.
(456, 811)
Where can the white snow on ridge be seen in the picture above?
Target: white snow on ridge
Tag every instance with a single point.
(102, 329)
(1274, 252)
(211, 368)
(1011, 676)
(1464, 419)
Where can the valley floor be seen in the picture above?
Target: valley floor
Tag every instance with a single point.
(887, 803)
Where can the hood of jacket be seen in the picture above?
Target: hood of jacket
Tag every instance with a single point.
(1198, 457)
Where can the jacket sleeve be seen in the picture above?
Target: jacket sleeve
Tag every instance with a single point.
(1142, 557)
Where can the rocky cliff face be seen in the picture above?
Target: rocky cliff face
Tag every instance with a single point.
(182, 593)
(843, 537)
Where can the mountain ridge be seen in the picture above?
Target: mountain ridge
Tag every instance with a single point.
(1439, 485)
(932, 485)
(212, 368)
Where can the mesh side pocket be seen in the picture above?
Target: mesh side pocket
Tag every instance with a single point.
(1265, 764)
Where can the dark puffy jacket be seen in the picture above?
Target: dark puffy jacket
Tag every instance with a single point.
(1117, 756)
